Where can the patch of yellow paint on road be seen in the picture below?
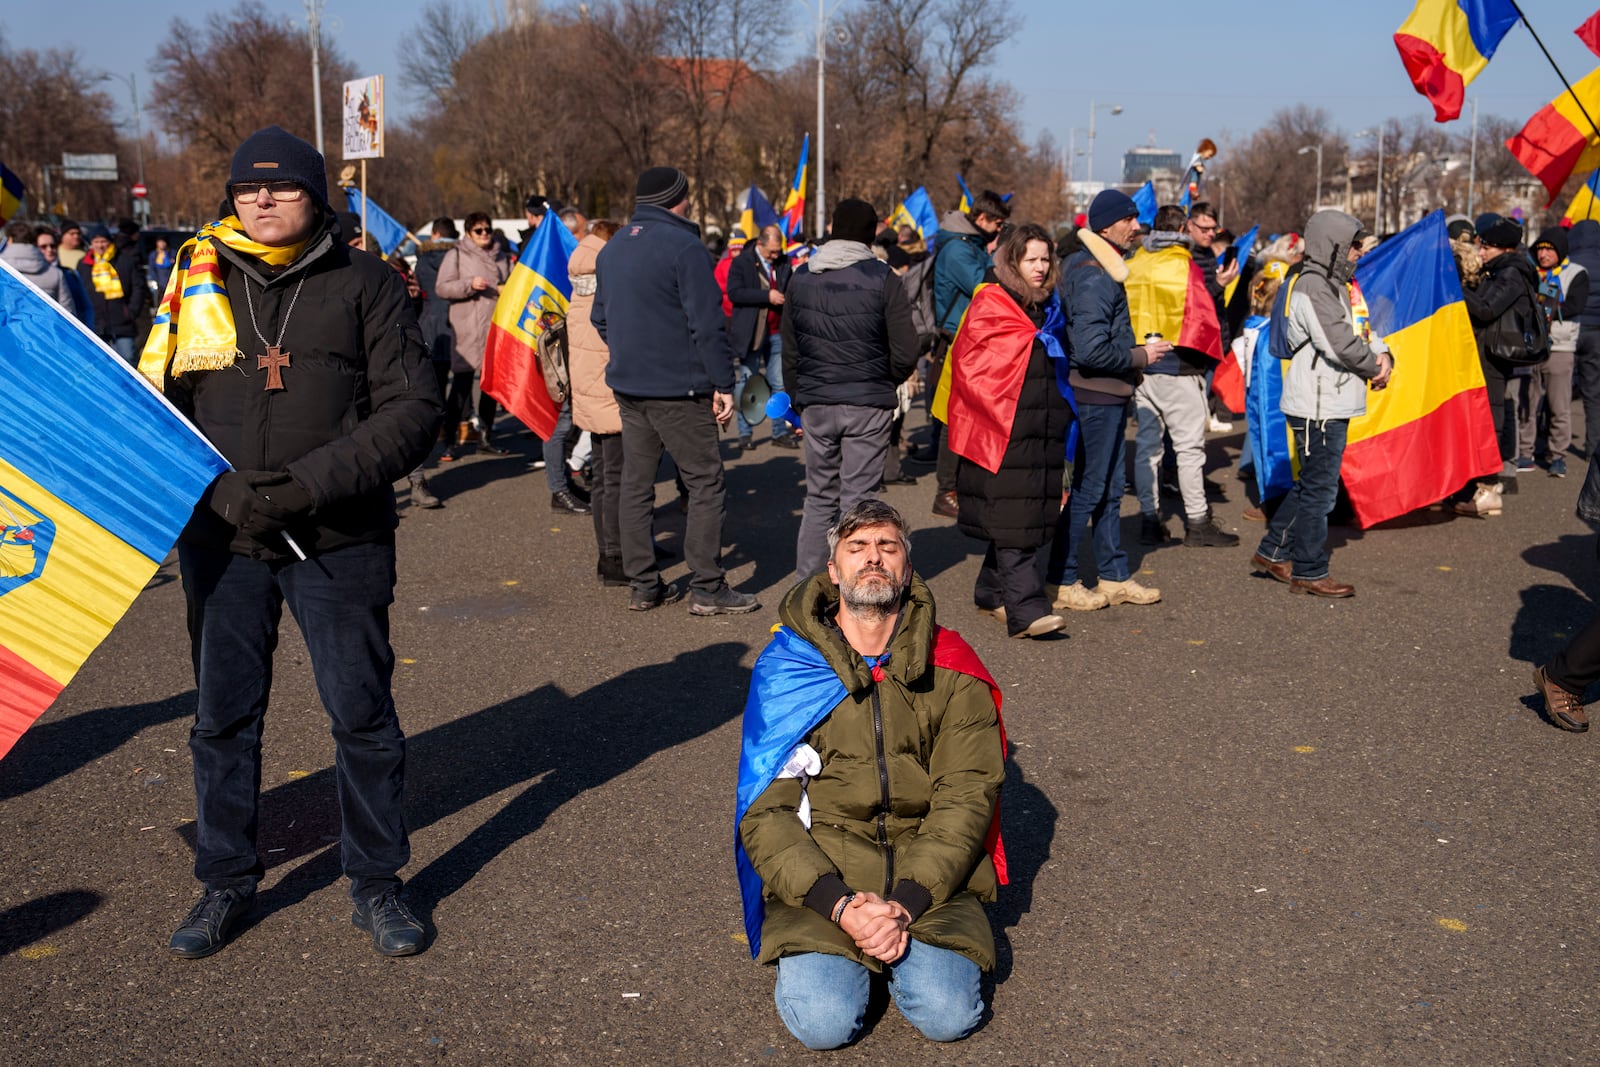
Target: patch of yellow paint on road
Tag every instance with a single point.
(1443, 568)
(1305, 748)
(1195, 642)
(299, 774)
(408, 662)
(1455, 926)
(741, 939)
(511, 581)
(38, 952)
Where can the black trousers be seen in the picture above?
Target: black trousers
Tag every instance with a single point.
(685, 427)
(459, 399)
(1577, 666)
(1587, 374)
(944, 474)
(1009, 578)
(605, 489)
(1497, 376)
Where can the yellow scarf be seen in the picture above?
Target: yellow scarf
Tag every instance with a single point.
(193, 328)
(104, 274)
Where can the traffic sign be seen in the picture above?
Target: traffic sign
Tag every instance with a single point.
(141, 190)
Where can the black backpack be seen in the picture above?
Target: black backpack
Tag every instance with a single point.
(1521, 335)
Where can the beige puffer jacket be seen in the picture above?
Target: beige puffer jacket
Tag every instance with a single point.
(594, 408)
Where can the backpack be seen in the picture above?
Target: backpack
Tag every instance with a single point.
(1519, 338)
(552, 350)
(918, 283)
(1278, 335)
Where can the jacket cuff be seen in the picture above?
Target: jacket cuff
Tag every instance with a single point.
(912, 897)
(1140, 358)
(825, 894)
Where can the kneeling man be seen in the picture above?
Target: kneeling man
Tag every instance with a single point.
(867, 834)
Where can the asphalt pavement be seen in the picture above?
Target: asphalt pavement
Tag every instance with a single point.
(1243, 826)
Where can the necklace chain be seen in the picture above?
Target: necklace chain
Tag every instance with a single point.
(283, 323)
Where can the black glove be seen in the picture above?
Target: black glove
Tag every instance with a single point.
(259, 503)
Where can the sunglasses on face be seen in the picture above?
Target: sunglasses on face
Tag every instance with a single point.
(479, 230)
(280, 192)
(46, 246)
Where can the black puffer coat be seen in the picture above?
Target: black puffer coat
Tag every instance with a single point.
(1017, 506)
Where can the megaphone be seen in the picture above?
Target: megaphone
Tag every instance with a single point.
(753, 400)
(780, 407)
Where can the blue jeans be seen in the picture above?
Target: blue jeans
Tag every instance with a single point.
(768, 362)
(555, 451)
(1099, 472)
(125, 348)
(340, 600)
(822, 998)
(1299, 529)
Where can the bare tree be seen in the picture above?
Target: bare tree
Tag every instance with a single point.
(428, 56)
(50, 106)
(1268, 178)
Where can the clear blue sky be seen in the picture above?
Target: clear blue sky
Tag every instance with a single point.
(1179, 71)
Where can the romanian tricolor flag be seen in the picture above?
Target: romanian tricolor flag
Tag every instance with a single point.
(757, 214)
(1429, 432)
(1559, 140)
(794, 206)
(98, 475)
(1447, 43)
(1585, 202)
(534, 297)
(11, 192)
(917, 212)
(965, 204)
(1167, 295)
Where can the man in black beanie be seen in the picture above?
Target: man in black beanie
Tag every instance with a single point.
(299, 357)
(658, 307)
(848, 342)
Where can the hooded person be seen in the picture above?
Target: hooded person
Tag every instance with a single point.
(24, 257)
(1332, 362)
(299, 358)
(1563, 291)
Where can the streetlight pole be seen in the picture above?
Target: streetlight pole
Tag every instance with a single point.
(314, 30)
(1115, 109)
(141, 207)
(823, 11)
(1377, 211)
(1317, 148)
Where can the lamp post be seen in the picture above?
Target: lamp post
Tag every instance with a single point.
(141, 206)
(314, 32)
(1377, 212)
(1115, 109)
(1317, 148)
(823, 11)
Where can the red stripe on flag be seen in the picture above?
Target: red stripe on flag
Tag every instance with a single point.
(1589, 33)
(1433, 79)
(1228, 383)
(1201, 329)
(511, 375)
(1422, 462)
(25, 691)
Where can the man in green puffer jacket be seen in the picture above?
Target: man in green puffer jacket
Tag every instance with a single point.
(871, 769)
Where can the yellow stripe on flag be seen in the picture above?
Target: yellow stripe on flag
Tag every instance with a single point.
(525, 296)
(1434, 360)
(1158, 288)
(89, 579)
(1445, 26)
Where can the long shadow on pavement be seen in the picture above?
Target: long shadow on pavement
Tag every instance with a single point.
(561, 745)
(38, 919)
(1028, 822)
(52, 750)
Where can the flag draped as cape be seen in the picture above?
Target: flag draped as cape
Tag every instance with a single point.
(792, 689)
(1167, 294)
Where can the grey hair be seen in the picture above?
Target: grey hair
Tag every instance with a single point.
(868, 512)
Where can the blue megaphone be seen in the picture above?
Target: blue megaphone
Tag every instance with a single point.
(779, 407)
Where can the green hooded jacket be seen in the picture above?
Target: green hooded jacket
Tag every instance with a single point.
(925, 738)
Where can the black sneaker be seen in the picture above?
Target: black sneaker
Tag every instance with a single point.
(395, 931)
(1208, 534)
(563, 500)
(1152, 531)
(650, 599)
(747, 444)
(725, 601)
(211, 922)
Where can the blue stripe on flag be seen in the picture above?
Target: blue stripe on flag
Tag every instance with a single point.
(1409, 276)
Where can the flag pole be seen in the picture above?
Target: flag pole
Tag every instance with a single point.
(1472, 166)
(1534, 33)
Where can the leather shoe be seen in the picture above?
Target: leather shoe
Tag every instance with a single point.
(211, 922)
(1282, 571)
(395, 931)
(945, 504)
(1565, 709)
(562, 500)
(1323, 587)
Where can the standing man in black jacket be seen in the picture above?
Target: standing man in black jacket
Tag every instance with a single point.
(757, 278)
(659, 310)
(114, 279)
(299, 357)
(848, 342)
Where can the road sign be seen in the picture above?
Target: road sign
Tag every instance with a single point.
(89, 167)
(140, 190)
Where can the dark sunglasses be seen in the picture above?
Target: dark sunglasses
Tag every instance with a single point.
(480, 230)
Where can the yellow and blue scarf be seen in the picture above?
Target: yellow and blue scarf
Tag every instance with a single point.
(202, 336)
(103, 273)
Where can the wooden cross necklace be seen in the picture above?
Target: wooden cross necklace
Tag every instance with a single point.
(276, 360)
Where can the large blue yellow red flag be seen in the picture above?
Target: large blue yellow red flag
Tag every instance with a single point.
(1271, 450)
(98, 475)
(1560, 139)
(11, 193)
(794, 205)
(381, 226)
(757, 213)
(965, 204)
(1447, 43)
(531, 300)
(1145, 201)
(917, 211)
(1429, 432)
(1585, 202)
(1167, 295)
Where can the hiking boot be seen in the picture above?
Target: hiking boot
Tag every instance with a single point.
(944, 503)
(747, 444)
(211, 922)
(395, 931)
(1485, 501)
(725, 601)
(421, 495)
(563, 500)
(1207, 534)
(1047, 624)
(1078, 597)
(650, 599)
(1152, 531)
(1565, 709)
(1128, 592)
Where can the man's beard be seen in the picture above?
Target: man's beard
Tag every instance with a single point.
(863, 597)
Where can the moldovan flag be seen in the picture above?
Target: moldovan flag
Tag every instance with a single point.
(11, 192)
(1585, 202)
(535, 296)
(757, 214)
(1447, 43)
(1429, 432)
(1167, 294)
(98, 475)
(1558, 140)
(794, 206)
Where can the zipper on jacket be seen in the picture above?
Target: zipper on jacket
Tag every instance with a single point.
(883, 795)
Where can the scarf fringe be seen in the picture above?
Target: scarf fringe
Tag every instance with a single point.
(203, 359)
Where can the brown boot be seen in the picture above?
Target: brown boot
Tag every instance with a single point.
(1323, 587)
(1281, 571)
(1565, 709)
(945, 504)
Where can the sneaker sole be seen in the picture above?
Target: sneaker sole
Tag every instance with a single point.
(705, 611)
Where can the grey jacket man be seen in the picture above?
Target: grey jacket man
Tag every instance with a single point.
(1331, 365)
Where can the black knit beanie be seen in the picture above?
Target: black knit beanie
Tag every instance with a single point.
(854, 220)
(1500, 233)
(276, 155)
(662, 187)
